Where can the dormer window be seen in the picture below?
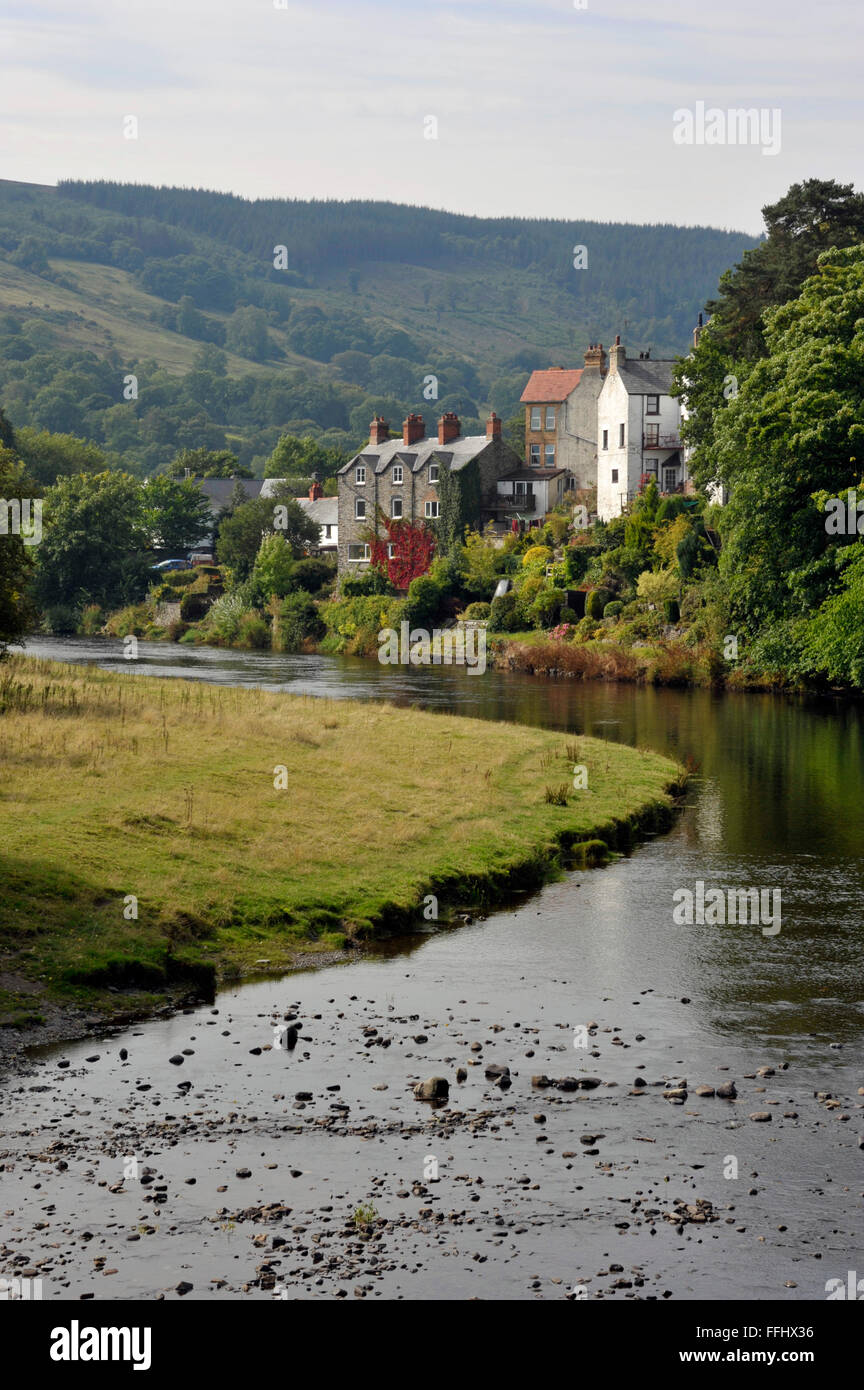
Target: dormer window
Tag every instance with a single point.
(433, 472)
(360, 476)
(397, 473)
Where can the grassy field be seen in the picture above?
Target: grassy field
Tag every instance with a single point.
(117, 787)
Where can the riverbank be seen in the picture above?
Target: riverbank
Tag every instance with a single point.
(159, 837)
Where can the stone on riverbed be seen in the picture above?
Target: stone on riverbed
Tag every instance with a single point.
(435, 1088)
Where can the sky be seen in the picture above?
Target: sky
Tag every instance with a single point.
(539, 108)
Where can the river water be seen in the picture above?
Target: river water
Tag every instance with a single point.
(539, 1192)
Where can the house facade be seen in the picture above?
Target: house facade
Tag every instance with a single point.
(526, 494)
(400, 476)
(561, 419)
(639, 431)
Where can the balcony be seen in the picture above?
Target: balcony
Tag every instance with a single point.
(518, 501)
(661, 441)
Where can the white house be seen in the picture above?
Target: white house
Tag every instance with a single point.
(527, 494)
(323, 510)
(638, 431)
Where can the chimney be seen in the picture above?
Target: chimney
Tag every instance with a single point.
(379, 431)
(316, 490)
(448, 427)
(618, 355)
(697, 332)
(595, 358)
(413, 429)
(493, 426)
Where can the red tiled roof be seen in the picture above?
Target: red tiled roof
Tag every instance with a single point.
(553, 384)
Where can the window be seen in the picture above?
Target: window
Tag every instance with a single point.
(396, 508)
(431, 509)
(620, 436)
(397, 473)
(433, 472)
(536, 416)
(358, 552)
(391, 551)
(605, 439)
(359, 509)
(550, 417)
(652, 405)
(326, 533)
(360, 476)
(549, 455)
(614, 475)
(652, 435)
(569, 482)
(535, 455)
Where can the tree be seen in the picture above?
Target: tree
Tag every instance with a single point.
(207, 463)
(240, 534)
(175, 513)
(16, 559)
(271, 573)
(246, 334)
(796, 427)
(94, 542)
(48, 457)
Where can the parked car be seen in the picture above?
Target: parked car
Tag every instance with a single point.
(164, 566)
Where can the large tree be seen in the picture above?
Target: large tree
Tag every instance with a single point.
(176, 513)
(796, 429)
(241, 533)
(94, 542)
(809, 219)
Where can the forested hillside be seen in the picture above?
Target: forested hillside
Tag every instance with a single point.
(154, 319)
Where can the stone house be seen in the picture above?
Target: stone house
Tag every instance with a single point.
(400, 475)
(561, 419)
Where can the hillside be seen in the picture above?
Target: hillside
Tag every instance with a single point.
(179, 287)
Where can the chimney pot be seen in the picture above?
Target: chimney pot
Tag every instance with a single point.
(413, 428)
(493, 426)
(448, 427)
(379, 431)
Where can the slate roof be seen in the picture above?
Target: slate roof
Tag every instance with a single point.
(323, 510)
(533, 475)
(456, 454)
(218, 490)
(644, 376)
(551, 384)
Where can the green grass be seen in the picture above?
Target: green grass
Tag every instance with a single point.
(120, 784)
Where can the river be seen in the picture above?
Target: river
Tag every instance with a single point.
(539, 1192)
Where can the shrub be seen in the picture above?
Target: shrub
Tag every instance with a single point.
(537, 556)
(193, 607)
(178, 579)
(91, 620)
(671, 610)
(424, 600)
(568, 616)
(294, 619)
(596, 602)
(176, 630)
(475, 612)
(613, 609)
(223, 619)
(253, 631)
(131, 621)
(61, 620)
(546, 607)
(312, 574)
(370, 581)
(272, 570)
(503, 613)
